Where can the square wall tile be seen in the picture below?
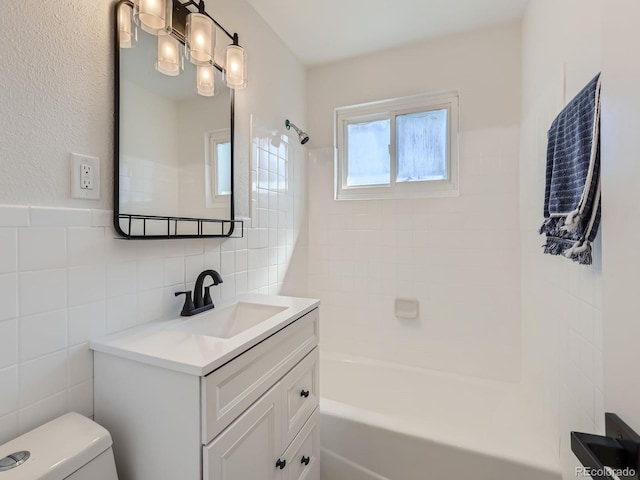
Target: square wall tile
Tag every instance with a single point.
(122, 278)
(8, 297)
(81, 398)
(42, 291)
(173, 271)
(79, 364)
(193, 266)
(122, 312)
(150, 305)
(242, 260)
(42, 412)
(42, 334)
(9, 427)
(8, 343)
(85, 246)
(86, 322)
(86, 284)
(42, 377)
(42, 248)
(228, 263)
(8, 250)
(9, 390)
(149, 274)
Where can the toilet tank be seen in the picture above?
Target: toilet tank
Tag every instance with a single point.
(70, 447)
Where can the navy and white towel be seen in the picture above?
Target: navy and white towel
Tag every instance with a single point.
(572, 192)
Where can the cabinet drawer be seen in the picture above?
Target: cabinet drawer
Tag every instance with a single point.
(303, 455)
(300, 395)
(231, 389)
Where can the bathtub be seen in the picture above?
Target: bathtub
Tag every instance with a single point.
(382, 421)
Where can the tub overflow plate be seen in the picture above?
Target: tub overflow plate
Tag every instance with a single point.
(14, 460)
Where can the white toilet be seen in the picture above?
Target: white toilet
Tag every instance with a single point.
(71, 447)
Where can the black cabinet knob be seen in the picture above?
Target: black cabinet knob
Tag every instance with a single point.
(305, 460)
(304, 393)
(281, 464)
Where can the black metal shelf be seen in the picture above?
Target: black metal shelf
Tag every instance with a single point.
(139, 227)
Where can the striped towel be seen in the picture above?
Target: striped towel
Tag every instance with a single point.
(572, 193)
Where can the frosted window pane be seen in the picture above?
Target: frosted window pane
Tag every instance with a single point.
(422, 146)
(223, 167)
(368, 153)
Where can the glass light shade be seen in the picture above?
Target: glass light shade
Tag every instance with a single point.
(200, 39)
(168, 55)
(126, 31)
(155, 15)
(236, 67)
(206, 81)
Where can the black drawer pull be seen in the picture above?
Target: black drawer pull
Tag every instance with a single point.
(305, 460)
(281, 464)
(304, 393)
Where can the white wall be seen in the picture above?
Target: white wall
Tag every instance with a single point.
(561, 301)
(459, 256)
(64, 279)
(621, 229)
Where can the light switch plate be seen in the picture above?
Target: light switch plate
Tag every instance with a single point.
(85, 177)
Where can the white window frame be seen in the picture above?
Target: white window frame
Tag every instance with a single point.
(212, 139)
(391, 109)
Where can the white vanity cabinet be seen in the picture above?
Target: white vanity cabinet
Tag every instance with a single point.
(253, 418)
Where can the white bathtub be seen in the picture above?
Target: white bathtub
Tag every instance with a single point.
(382, 421)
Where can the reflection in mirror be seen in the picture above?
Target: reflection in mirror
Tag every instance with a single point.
(175, 142)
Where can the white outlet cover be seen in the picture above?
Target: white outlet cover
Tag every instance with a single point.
(77, 160)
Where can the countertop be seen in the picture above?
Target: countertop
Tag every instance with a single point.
(161, 344)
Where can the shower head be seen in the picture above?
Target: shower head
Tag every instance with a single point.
(303, 136)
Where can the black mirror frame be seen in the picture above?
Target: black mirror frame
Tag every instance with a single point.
(227, 226)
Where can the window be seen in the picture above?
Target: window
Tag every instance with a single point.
(399, 148)
(218, 167)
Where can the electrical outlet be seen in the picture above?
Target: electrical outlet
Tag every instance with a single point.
(85, 177)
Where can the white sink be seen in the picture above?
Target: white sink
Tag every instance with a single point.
(229, 321)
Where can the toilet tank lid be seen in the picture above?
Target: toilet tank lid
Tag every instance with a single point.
(57, 448)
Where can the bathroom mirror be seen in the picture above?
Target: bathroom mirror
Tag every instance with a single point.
(173, 173)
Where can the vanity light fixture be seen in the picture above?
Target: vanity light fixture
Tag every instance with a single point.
(187, 22)
(155, 15)
(128, 34)
(205, 78)
(236, 65)
(168, 55)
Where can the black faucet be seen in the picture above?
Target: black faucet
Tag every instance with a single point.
(202, 301)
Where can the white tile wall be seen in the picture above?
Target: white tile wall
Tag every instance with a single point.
(65, 279)
(561, 301)
(459, 257)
